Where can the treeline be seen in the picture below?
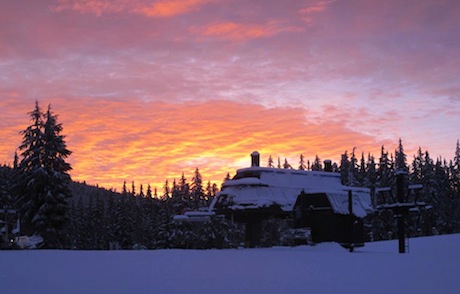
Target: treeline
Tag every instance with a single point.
(144, 220)
(440, 180)
(78, 216)
(440, 190)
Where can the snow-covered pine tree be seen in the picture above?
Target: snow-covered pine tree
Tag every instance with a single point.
(43, 180)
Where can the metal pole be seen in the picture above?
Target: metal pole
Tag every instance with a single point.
(350, 210)
(399, 212)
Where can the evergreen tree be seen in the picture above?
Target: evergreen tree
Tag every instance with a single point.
(96, 223)
(385, 176)
(209, 194)
(133, 189)
(197, 190)
(148, 194)
(43, 180)
(215, 190)
(124, 190)
(184, 188)
(286, 165)
(141, 191)
(455, 171)
(353, 170)
(6, 199)
(317, 165)
(362, 172)
(166, 190)
(416, 167)
(371, 177)
(302, 165)
(401, 158)
(270, 162)
(344, 168)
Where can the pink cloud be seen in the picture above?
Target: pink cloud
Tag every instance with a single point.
(238, 31)
(171, 8)
(308, 12)
(142, 7)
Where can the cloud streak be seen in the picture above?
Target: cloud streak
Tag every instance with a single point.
(145, 8)
(242, 32)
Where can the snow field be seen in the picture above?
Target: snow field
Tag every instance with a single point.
(432, 266)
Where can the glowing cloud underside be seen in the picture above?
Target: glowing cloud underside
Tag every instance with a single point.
(149, 142)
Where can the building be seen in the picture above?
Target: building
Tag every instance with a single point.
(257, 193)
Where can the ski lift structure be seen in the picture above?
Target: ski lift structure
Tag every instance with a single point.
(401, 206)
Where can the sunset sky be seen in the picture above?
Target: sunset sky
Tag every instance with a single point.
(148, 89)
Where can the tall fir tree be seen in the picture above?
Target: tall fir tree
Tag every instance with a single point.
(42, 185)
(197, 189)
(401, 158)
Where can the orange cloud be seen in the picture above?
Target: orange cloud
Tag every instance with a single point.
(149, 142)
(146, 8)
(237, 31)
(171, 8)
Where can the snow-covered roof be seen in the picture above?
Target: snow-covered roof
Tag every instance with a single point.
(257, 187)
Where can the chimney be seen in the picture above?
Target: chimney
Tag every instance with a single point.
(255, 158)
(328, 165)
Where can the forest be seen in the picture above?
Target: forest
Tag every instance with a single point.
(72, 215)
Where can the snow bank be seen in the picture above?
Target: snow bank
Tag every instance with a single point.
(430, 267)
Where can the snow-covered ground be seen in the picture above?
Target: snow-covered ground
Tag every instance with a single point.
(432, 266)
